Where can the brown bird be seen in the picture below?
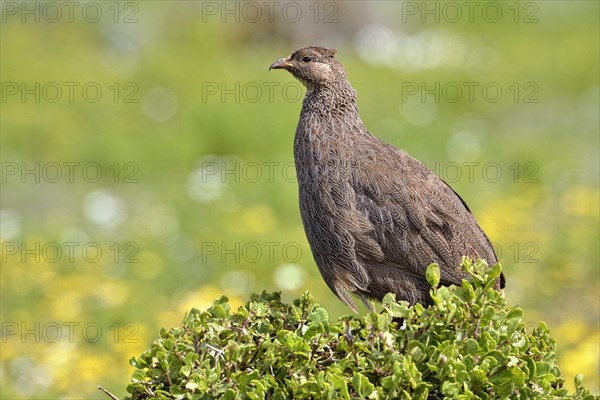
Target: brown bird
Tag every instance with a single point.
(375, 217)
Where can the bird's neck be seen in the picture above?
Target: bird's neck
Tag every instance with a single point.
(326, 102)
(328, 114)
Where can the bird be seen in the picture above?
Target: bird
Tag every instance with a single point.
(375, 218)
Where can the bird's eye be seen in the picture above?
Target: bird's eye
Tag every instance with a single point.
(307, 59)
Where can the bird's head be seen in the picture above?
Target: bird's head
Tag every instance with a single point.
(313, 66)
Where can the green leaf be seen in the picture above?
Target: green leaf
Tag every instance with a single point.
(433, 275)
(395, 310)
(191, 386)
(319, 315)
(138, 376)
(339, 384)
(186, 370)
(218, 311)
(362, 386)
(495, 271)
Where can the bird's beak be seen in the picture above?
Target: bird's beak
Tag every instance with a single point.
(282, 63)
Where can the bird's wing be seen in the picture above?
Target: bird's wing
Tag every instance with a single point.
(415, 218)
(489, 246)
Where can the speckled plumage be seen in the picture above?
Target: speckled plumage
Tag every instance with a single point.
(375, 217)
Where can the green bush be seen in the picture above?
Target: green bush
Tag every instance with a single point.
(469, 344)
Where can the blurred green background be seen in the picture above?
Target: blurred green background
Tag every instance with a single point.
(147, 162)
